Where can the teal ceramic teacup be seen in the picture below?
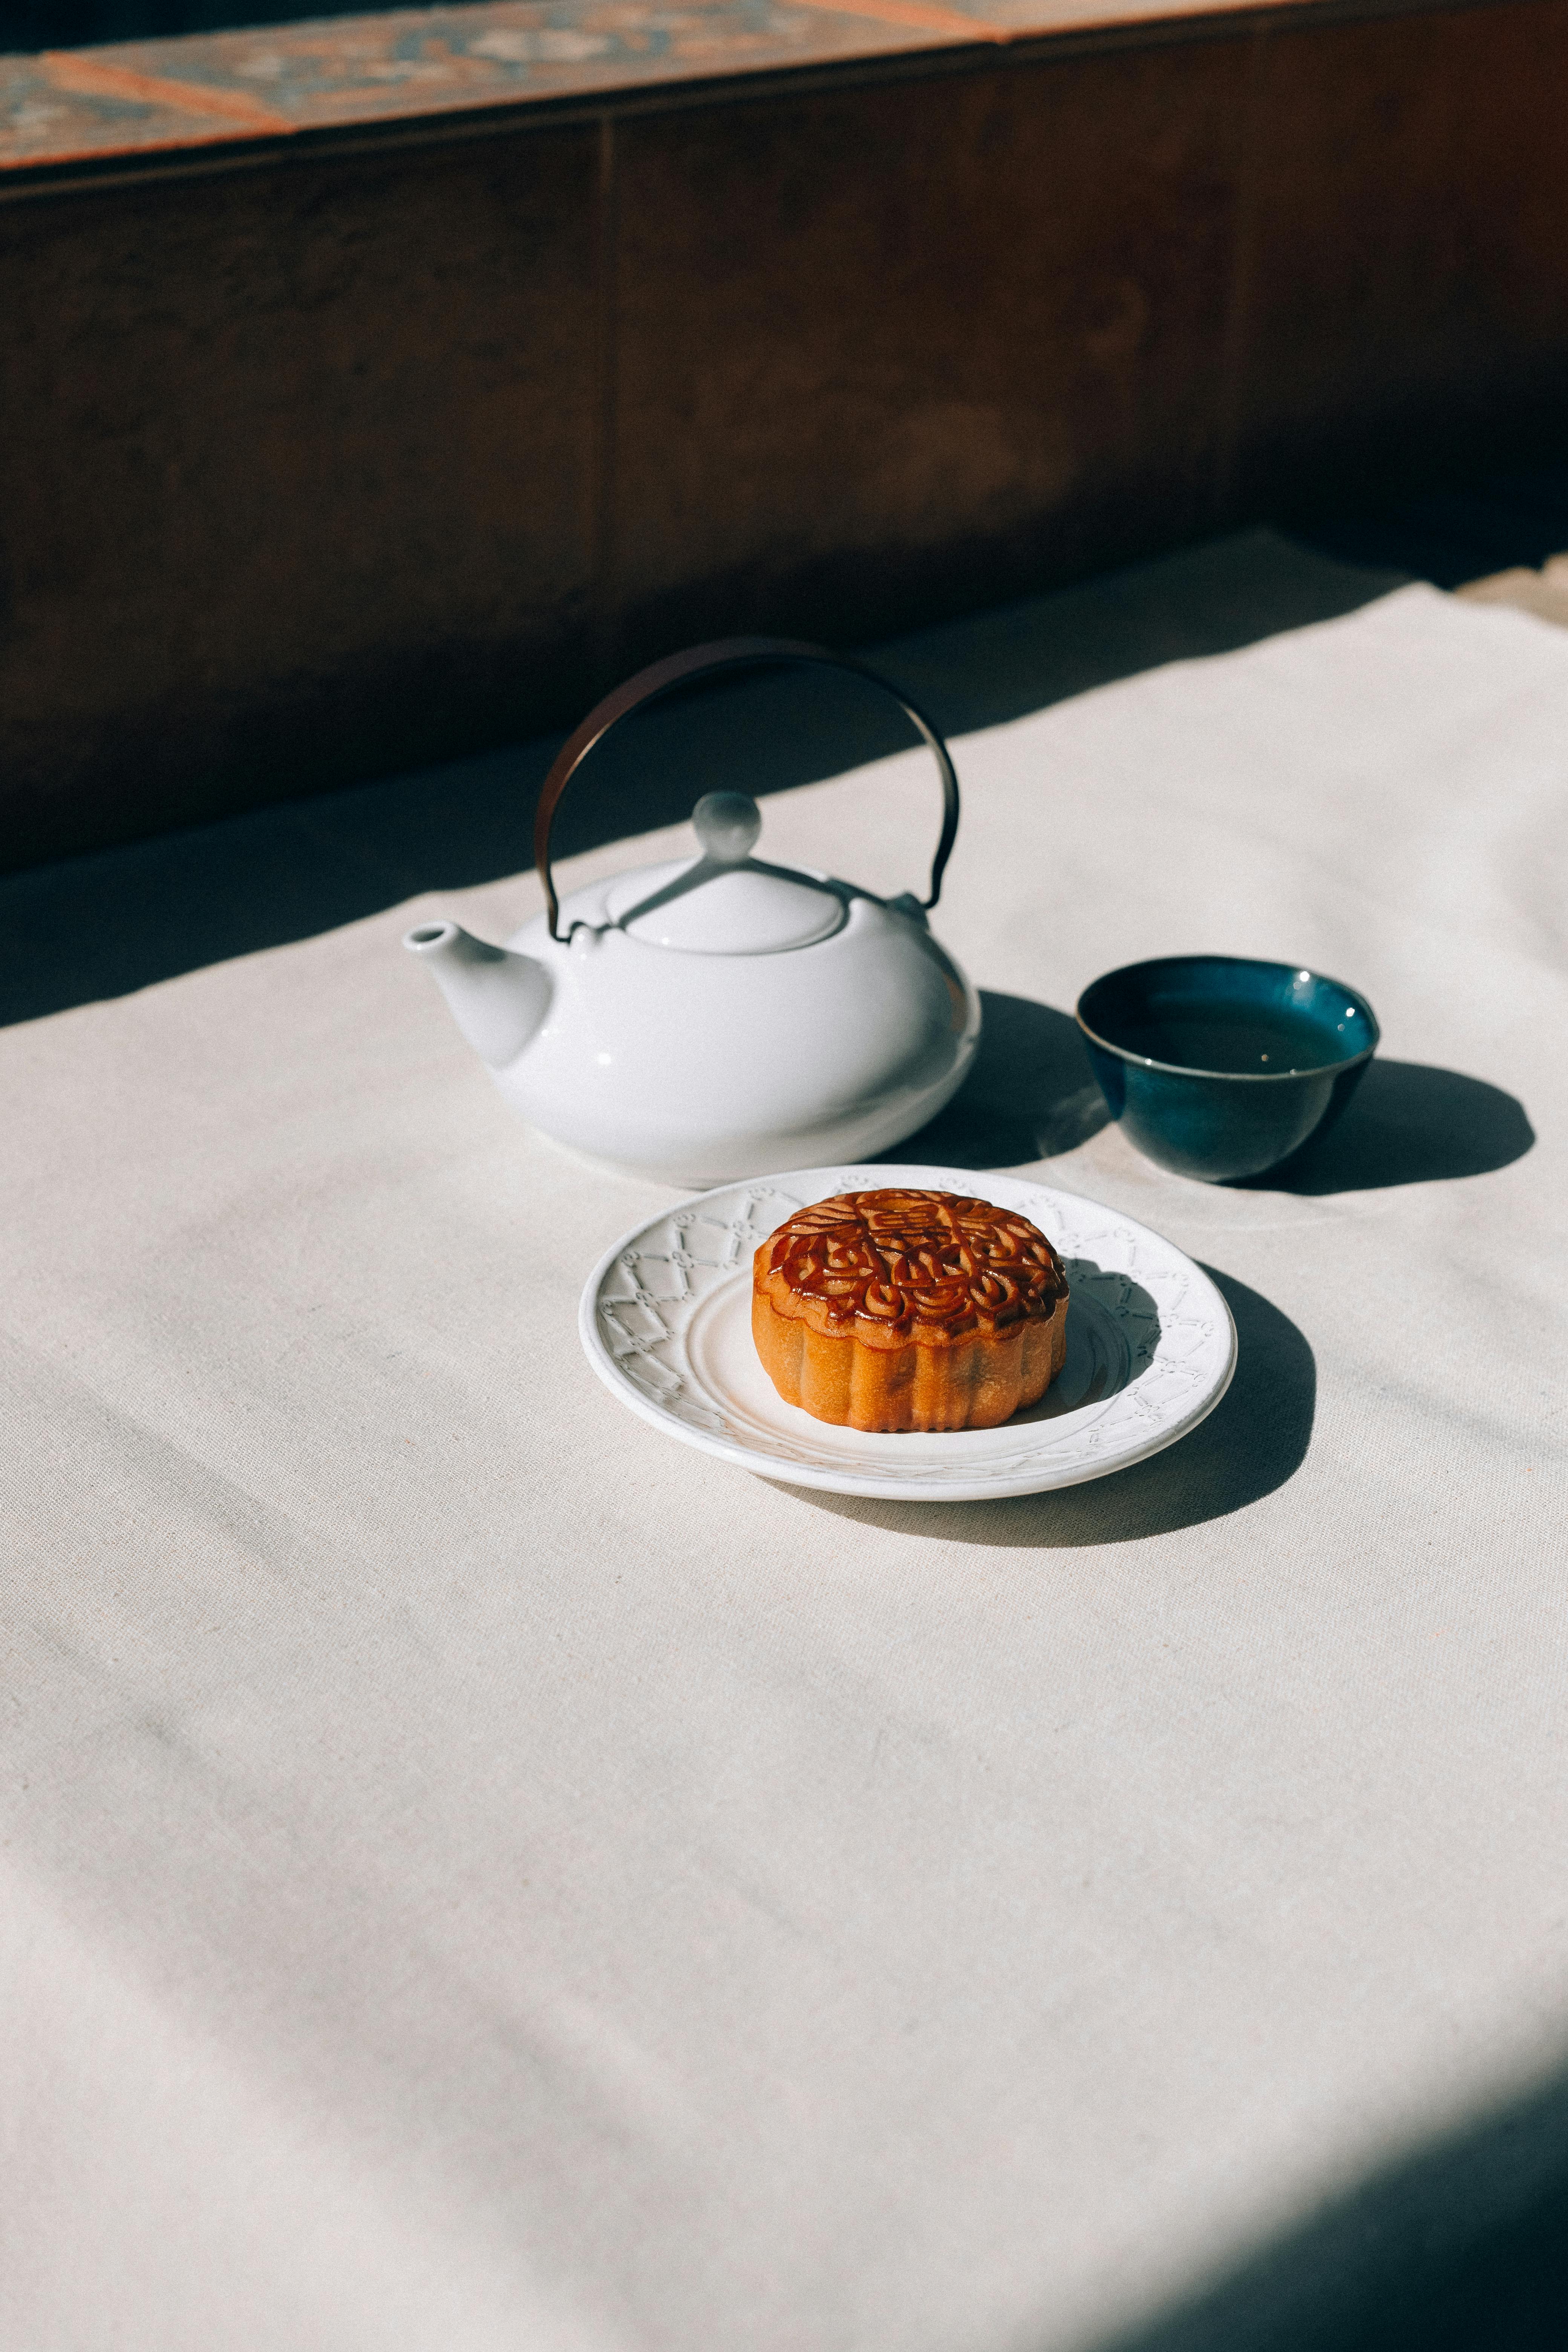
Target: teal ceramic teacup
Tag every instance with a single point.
(1217, 1066)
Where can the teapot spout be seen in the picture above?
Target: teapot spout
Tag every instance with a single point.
(498, 998)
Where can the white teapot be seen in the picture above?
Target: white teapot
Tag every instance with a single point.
(716, 1017)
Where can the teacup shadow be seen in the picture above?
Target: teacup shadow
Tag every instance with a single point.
(1030, 1095)
(1254, 1441)
(1408, 1123)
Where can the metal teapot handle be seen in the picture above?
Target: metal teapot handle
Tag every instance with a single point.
(703, 661)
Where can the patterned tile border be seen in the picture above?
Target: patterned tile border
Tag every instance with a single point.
(145, 98)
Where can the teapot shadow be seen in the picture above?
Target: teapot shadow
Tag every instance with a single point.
(1254, 1441)
(1029, 1094)
(1407, 1123)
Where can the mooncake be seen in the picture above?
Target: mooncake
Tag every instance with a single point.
(905, 1310)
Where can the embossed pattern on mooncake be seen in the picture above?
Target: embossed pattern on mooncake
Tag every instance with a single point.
(902, 1309)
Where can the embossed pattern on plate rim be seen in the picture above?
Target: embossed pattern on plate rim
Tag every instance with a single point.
(1184, 1372)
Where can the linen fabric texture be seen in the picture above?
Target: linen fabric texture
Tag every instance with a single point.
(476, 1874)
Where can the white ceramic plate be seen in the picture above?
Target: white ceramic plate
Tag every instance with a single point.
(666, 1323)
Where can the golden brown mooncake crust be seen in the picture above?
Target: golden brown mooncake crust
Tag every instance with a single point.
(903, 1309)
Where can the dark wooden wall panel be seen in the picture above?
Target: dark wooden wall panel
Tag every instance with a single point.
(891, 350)
(296, 479)
(322, 465)
(1405, 251)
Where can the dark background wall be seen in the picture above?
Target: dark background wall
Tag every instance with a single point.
(63, 23)
(333, 461)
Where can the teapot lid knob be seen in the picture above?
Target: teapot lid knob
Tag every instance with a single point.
(727, 825)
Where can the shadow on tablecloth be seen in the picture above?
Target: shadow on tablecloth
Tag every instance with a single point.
(1255, 1440)
(1460, 2247)
(102, 925)
(1410, 1124)
(1031, 1094)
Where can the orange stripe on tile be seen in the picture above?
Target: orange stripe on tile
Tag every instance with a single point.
(919, 16)
(96, 78)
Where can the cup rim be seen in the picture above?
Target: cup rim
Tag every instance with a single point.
(1241, 1077)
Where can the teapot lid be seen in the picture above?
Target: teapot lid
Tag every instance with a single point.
(725, 902)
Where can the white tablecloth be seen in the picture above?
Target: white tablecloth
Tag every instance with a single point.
(476, 1874)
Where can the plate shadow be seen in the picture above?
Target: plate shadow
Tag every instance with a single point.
(1407, 1123)
(1256, 1439)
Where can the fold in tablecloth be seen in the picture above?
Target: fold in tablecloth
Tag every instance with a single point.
(475, 1875)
